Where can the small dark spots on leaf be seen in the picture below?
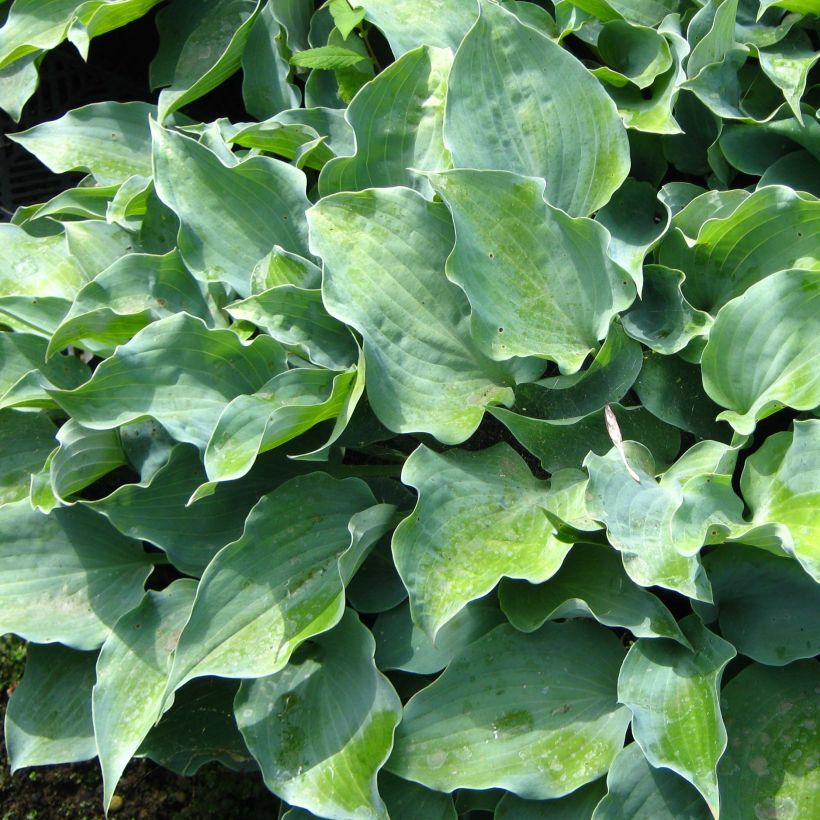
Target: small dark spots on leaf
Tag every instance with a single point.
(161, 301)
(113, 136)
(491, 255)
(799, 235)
(285, 217)
(501, 330)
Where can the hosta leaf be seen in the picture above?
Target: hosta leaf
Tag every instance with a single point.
(95, 17)
(581, 151)
(30, 26)
(25, 375)
(201, 46)
(764, 349)
(580, 803)
(282, 582)
(480, 516)
(83, 456)
(770, 767)
(67, 576)
(766, 605)
(38, 280)
(591, 581)
(265, 71)
(177, 371)
(280, 267)
(296, 317)
(660, 527)
(643, 12)
(132, 671)
(400, 644)
(630, 53)
(608, 378)
(48, 719)
(539, 282)
(231, 217)
(311, 752)
(787, 64)
(671, 389)
(557, 444)
(157, 510)
(712, 34)
(663, 319)
(397, 119)
(433, 22)
(18, 82)
(94, 245)
(638, 790)
(134, 291)
(86, 203)
(26, 439)
(771, 230)
(636, 219)
(673, 696)
(403, 798)
(376, 586)
(384, 252)
(520, 701)
(111, 140)
(285, 407)
(780, 485)
(199, 728)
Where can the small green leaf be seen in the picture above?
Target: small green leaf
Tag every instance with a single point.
(328, 58)
(673, 694)
(591, 581)
(311, 752)
(533, 704)
(345, 17)
(48, 719)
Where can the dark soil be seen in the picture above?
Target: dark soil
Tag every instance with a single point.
(147, 791)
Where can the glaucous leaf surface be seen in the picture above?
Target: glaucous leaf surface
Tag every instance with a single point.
(513, 711)
(580, 803)
(48, 718)
(673, 694)
(313, 753)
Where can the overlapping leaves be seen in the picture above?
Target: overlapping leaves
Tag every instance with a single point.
(467, 398)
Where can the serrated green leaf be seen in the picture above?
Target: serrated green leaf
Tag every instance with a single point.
(546, 134)
(198, 729)
(400, 644)
(296, 317)
(230, 217)
(110, 140)
(770, 763)
(48, 718)
(67, 576)
(176, 371)
(766, 605)
(132, 671)
(250, 612)
(331, 771)
(638, 790)
(591, 581)
(480, 516)
(384, 252)
(780, 484)
(398, 120)
(558, 445)
(545, 285)
(134, 291)
(673, 695)
(282, 409)
(764, 349)
(327, 57)
(345, 17)
(558, 736)
(26, 439)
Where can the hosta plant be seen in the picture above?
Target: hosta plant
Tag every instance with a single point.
(439, 438)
